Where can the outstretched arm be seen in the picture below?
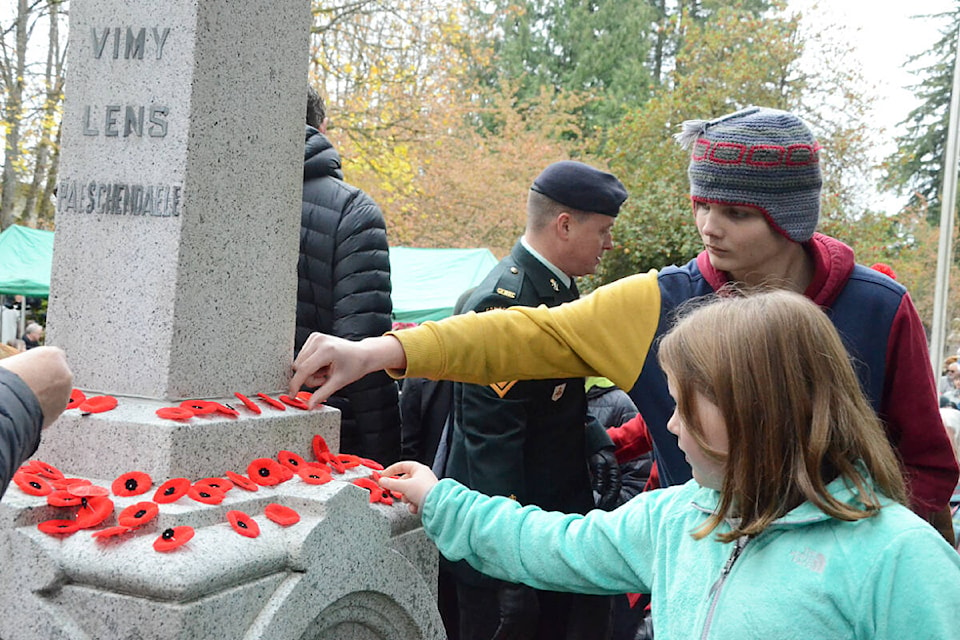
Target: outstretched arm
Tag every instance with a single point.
(330, 363)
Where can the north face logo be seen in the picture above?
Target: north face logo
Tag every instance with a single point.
(813, 560)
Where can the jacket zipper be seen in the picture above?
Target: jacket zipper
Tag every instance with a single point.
(738, 548)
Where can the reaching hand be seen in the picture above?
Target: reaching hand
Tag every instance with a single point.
(330, 363)
(411, 479)
(606, 478)
(45, 371)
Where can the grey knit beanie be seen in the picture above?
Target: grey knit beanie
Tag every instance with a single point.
(759, 157)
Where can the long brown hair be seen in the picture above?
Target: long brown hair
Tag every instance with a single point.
(796, 416)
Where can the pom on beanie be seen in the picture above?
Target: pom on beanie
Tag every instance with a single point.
(757, 157)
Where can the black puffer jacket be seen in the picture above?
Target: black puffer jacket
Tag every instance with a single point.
(344, 290)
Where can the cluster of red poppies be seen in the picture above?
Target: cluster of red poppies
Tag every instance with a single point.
(95, 507)
(190, 408)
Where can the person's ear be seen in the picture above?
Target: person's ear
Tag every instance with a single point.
(563, 224)
(323, 125)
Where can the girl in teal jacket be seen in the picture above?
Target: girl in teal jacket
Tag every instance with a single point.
(793, 524)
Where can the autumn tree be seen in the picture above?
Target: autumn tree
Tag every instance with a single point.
(448, 159)
(915, 168)
(32, 102)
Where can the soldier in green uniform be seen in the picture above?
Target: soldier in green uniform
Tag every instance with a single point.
(530, 440)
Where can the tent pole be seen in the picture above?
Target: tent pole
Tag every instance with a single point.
(947, 207)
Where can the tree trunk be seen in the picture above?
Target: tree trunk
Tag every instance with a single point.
(49, 123)
(13, 72)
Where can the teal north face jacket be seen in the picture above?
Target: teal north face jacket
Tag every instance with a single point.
(807, 576)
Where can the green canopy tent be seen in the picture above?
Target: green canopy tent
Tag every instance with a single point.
(26, 256)
(427, 282)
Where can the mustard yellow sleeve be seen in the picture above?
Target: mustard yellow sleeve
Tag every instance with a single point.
(606, 333)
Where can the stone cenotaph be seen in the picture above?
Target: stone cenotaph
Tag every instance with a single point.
(174, 279)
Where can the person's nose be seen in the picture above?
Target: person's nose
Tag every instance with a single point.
(673, 424)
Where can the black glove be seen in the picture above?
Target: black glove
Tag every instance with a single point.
(519, 612)
(606, 478)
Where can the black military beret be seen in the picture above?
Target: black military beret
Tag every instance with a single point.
(580, 186)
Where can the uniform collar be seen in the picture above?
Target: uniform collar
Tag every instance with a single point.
(561, 276)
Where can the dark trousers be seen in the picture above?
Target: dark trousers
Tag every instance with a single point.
(555, 616)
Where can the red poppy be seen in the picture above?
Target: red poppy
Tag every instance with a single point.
(132, 483)
(87, 490)
(173, 538)
(266, 471)
(222, 484)
(319, 447)
(171, 490)
(314, 473)
(58, 527)
(333, 462)
(32, 484)
(296, 403)
(377, 493)
(110, 532)
(67, 482)
(243, 524)
(276, 404)
(76, 398)
(349, 460)
(371, 464)
(227, 410)
(199, 407)
(283, 516)
(93, 511)
(63, 498)
(139, 514)
(290, 460)
(248, 403)
(45, 470)
(242, 481)
(175, 413)
(97, 404)
(206, 494)
(304, 395)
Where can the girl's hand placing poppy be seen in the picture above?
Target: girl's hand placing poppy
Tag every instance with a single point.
(411, 479)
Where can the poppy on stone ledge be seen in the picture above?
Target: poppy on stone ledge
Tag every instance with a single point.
(132, 483)
(206, 494)
(137, 515)
(59, 527)
(283, 516)
(276, 404)
(32, 484)
(291, 460)
(266, 472)
(175, 413)
(97, 404)
(172, 538)
(172, 490)
(248, 403)
(76, 399)
(243, 524)
(242, 481)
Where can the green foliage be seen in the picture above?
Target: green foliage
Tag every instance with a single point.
(916, 167)
(599, 48)
(730, 59)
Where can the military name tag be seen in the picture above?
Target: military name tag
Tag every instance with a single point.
(505, 293)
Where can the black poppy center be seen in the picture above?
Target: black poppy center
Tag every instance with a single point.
(140, 514)
(204, 494)
(170, 491)
(168, 534)
(241, 524)
(130, 484)
(34, 484)
(264, 472)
